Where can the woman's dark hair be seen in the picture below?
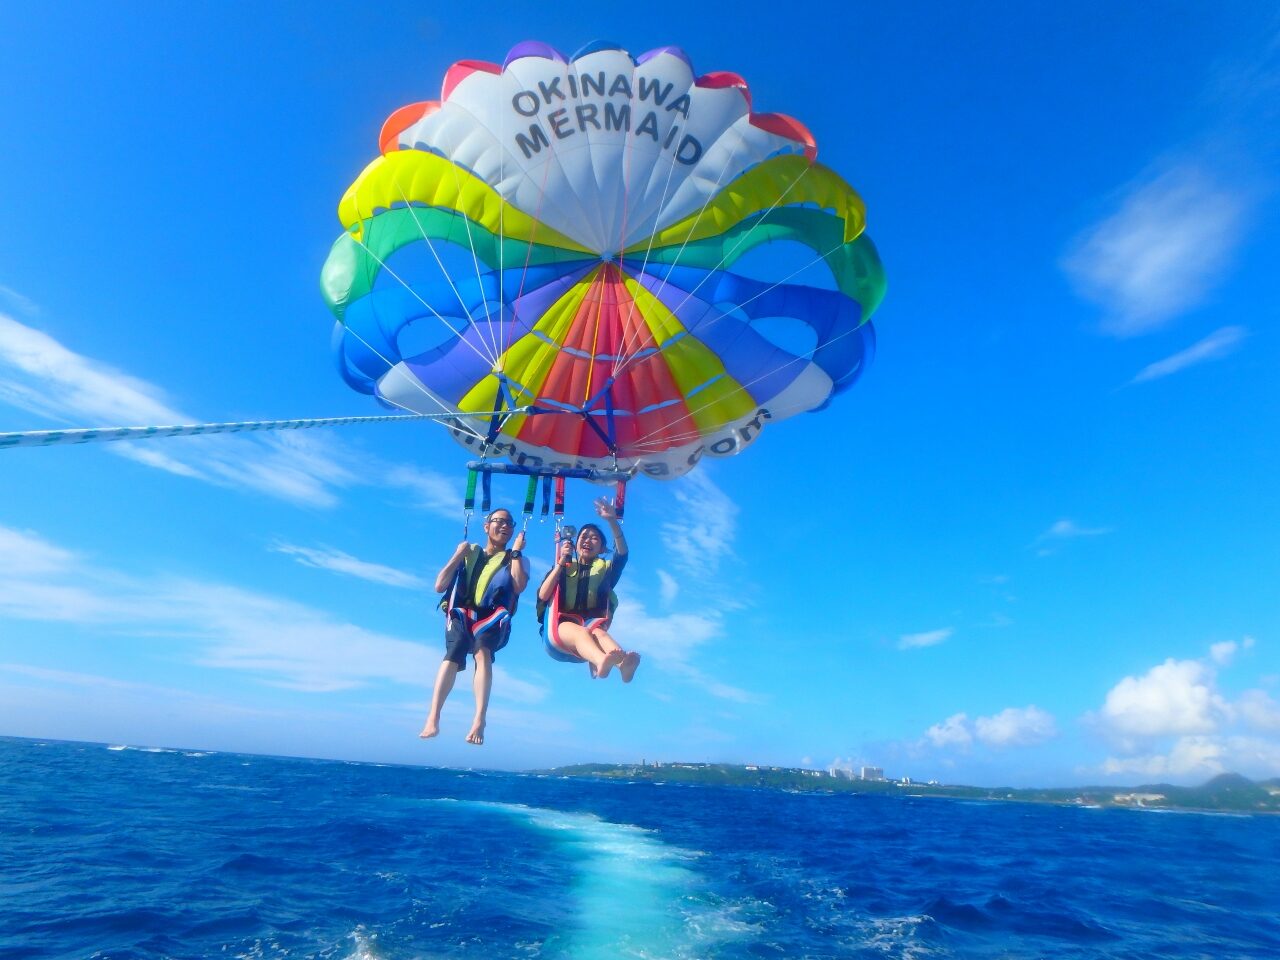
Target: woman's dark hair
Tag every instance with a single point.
(600, 533)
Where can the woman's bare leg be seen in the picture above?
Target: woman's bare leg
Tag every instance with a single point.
(586, 646)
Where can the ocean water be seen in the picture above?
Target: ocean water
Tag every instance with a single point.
(120, 852)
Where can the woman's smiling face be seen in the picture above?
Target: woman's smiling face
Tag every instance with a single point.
(590, 543)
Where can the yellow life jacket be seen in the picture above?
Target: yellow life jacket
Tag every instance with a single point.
(581, 588)
(476, 576)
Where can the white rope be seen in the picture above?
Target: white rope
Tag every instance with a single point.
(47, 438)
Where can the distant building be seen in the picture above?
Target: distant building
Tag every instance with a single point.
(1139, 799)
(872, 773)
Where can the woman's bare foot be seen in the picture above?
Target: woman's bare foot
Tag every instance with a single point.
(628, 666)
(430, 730)
(611, 660)
(476, 735)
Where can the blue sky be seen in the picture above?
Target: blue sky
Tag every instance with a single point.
(1035, 544)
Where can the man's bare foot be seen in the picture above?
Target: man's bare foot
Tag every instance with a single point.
(628, 667)
(430, 730)
(611, 660)
(476, 735)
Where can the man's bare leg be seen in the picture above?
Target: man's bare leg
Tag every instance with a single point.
(481, 684)
(447, 673)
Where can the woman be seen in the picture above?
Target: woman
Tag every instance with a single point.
(576, 628)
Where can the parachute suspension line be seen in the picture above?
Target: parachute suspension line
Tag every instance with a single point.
(502, 215)
(622, 365)
(430, 246)
(475, 260)
(644, 265)
(695, 434)
(742, 387)
(629, 342)
(528, 258)
(760, 218)
(413, 381)
(417, 296)
(486, 492)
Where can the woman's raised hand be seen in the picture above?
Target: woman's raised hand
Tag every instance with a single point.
(606, 509)
(566, 551)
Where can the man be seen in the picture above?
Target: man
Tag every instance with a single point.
(483, 584)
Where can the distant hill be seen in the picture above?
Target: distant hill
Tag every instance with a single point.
(1225, 792)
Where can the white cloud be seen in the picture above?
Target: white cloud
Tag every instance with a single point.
(670, 587)
(1259, 710)
(671, 642)
(1011, 727)
(28, 554)
(1016, 727)
(327, 558)
(1070, 530)
(58, 381)
(40, 375)
(1223, 653)
(1160, 253)
(1173, 721)
(1063, 531)
(929, 638)
(1221, 343)
(1190, 755)
(954, 731)
(1175, 697)
(279, 641)
(433, 491)
(21, 302)
(702, 533)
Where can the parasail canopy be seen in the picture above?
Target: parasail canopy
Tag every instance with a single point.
(564, 237)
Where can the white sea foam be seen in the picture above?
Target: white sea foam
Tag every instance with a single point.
(365, 947)
(895, 937)
(119, 746)
(667, 912)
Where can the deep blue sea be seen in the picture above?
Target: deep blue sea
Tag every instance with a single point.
(121, 852)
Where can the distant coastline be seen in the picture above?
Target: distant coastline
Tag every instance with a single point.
(1225, 793)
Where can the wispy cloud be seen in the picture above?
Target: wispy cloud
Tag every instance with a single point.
(1221, 343)
(1062, 531)
(929, 638)
(335, 561)
(1158, 255)
(670, 587)
(432, 491)
(278, 641)
(1223, 652)
(40, 375)
(20, 302)
(702, 532)
(675, 643)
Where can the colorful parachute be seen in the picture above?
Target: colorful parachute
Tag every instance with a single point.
(559, 236)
